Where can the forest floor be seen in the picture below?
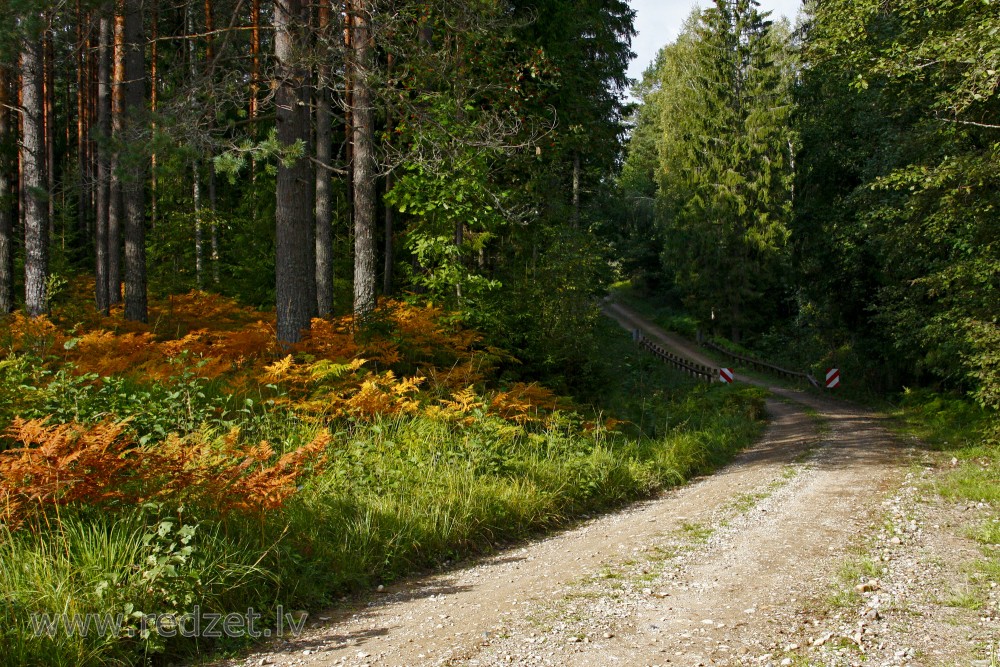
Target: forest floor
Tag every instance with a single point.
(824, 544)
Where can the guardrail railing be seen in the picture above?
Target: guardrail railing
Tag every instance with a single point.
(758, 364)
(698, 371)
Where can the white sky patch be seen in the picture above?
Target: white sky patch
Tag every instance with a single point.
(659, 21)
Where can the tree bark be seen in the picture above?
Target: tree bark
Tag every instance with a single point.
(101, 289)
(6, 201)
(134, 180)
(348, 111)
(364, 165)
(36, 247)
(294, 225)
(154, 57)
(82, 81)
(49, 101)
(115, 209)
(254, 60)
(324, 156)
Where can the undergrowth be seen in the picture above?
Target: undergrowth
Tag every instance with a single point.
(196, 464)
(965, 436)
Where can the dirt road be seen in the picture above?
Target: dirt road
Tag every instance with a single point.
(742, 567)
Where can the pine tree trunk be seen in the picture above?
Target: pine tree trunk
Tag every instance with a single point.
(81, 128)
(116, 212)
(254, 61)
(36, 251)
(154, 57)
(101, 290)
(49, 101)
(364, 166)
(348, 110)
(6, 200)
(134, 180)
(294, 225)
(324, 156)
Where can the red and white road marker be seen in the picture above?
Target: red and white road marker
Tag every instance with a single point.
(726, 375)
(832, 378)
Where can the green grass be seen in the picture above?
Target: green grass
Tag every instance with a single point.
(399, 495)
(744, 502)
(968, 597)
(852, 572)
(696, 532)
(963, 437)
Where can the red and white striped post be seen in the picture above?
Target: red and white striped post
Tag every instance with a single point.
(726, 375)
(832, 378)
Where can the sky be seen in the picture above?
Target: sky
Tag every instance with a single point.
(659, 21)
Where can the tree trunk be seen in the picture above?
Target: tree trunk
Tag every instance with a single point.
(324, 156)
(49, 101)
(101, 290)
(209, 36)
(294, 225)
(36, 250)
(134, 180)
(115, 210)
(6, 202)
(576, 189)
(364, 165)
(254, 61)
(82, 81)
(213, 225)
(199, 261)
(348, 111)
(154, 57)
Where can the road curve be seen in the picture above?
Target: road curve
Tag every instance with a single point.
(720, 571)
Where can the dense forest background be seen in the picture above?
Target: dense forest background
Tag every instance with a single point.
(309, 156)
(827, 191)
(823, 192)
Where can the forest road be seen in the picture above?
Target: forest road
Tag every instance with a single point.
(734, 568)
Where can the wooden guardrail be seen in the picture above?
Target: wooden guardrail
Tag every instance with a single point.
(706, 373)
(760, 365)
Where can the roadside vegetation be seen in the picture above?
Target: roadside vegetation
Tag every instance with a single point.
(196, 461)
(965, 435)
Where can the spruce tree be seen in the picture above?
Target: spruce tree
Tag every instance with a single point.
(726, 162)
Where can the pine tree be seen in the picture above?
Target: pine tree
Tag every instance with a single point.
(36, 224)
(6, 199)
(102, 290)
(294, 223)
(365, 265)
(134, 180)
